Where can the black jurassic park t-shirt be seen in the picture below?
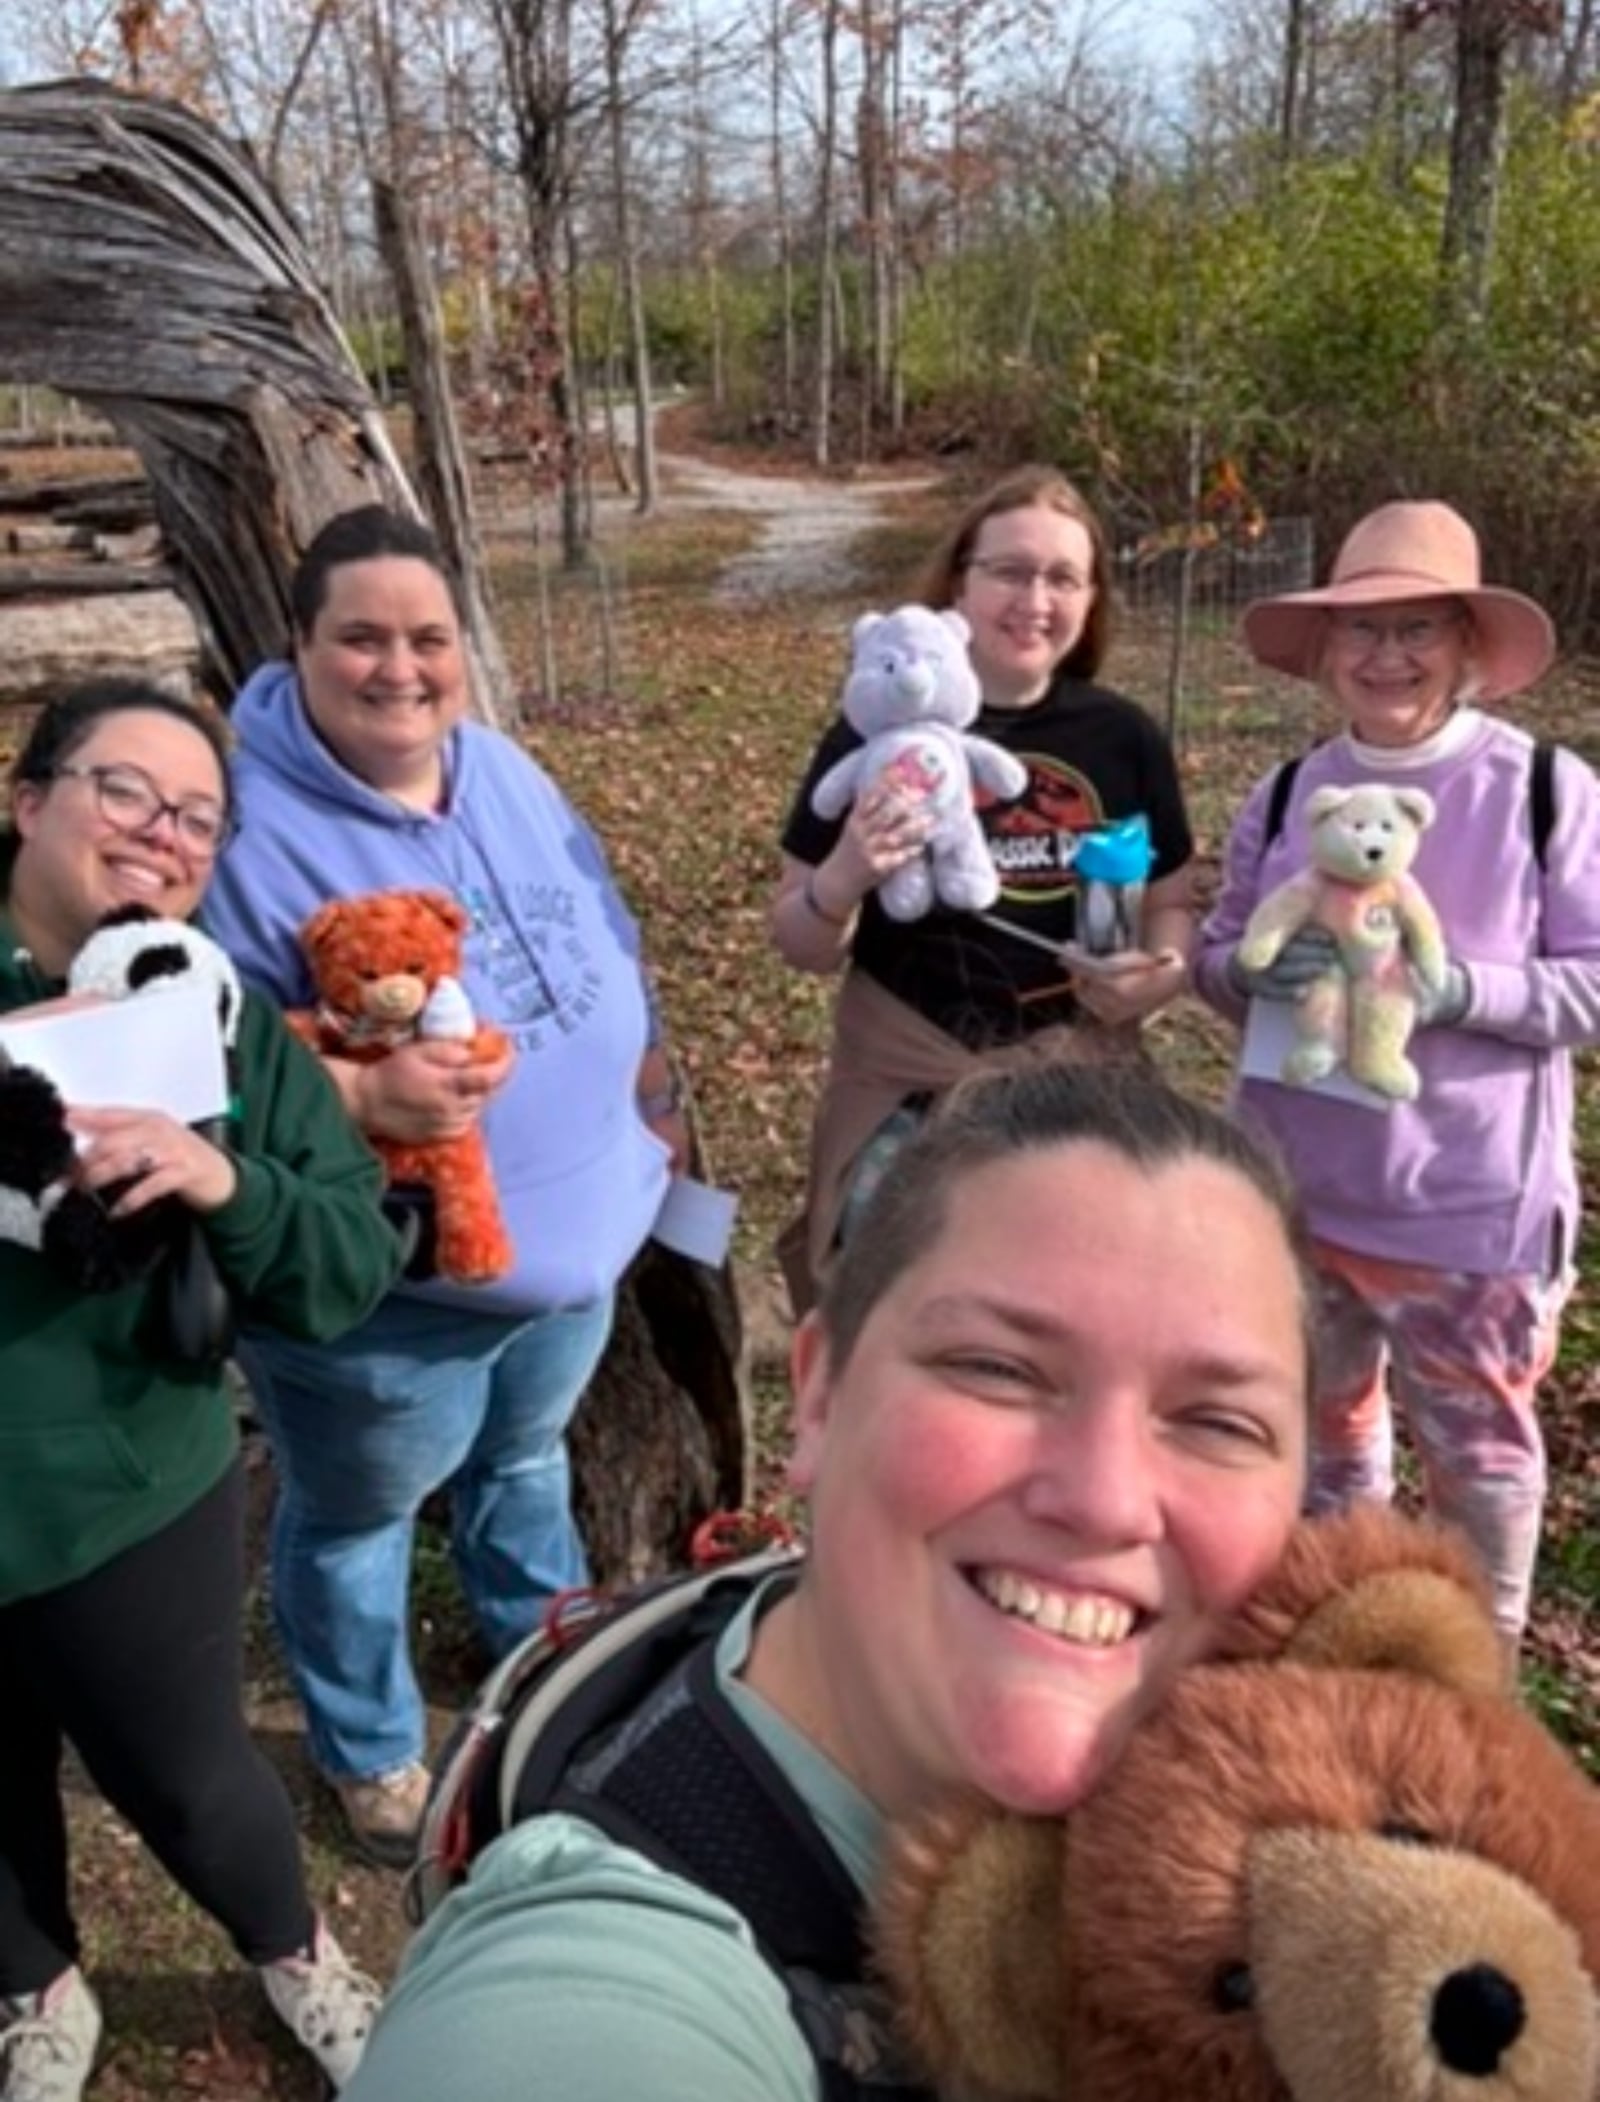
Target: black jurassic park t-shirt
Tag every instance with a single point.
(1091, 756)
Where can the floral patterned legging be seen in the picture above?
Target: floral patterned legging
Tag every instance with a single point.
(1461, 1356)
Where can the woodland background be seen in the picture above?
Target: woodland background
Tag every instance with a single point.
(1352, 248)
(878, 251)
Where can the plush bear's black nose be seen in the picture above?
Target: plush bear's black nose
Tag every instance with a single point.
(1478, 2014)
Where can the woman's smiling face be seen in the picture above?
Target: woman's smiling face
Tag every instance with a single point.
(82, 855)
(1070, 1438)
(1396, 671)
(1026, 591)
(383, 672)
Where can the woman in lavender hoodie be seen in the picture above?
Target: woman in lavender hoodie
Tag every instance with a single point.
(357, 771)
(1445, 1226)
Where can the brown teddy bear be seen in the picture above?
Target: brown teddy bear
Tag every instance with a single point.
(385, 965)
(1340, 1865)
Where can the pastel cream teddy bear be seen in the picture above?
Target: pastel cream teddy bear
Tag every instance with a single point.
(1359, 1013)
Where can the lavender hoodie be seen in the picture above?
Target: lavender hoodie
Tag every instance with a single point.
(552, 956)
(1477, 1174)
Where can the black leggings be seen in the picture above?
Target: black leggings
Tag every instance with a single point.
(140, 1665)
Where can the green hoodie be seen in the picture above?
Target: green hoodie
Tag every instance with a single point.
(102, 1442)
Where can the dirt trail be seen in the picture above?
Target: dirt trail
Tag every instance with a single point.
(808, 524)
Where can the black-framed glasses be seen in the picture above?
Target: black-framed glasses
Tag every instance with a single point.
(128, 799)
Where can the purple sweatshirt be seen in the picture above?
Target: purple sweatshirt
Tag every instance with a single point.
(1477, 1174)
(552, 956)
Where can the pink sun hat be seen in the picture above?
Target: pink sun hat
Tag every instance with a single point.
(1409, 551)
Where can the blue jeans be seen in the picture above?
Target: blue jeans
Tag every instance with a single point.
(363, 1430)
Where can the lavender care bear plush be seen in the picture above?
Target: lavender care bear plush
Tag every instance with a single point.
(911, 693)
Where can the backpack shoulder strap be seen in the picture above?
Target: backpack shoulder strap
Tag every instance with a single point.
(685, 1783)
(1542, 799)
(678, 1777)
(1278, 799)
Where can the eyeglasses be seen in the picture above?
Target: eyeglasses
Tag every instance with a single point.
(128, 799)
(1416, 633)
(1012, 574)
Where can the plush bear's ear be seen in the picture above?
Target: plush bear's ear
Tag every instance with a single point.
(968, 1933)
(957, 623)
(1323, 802)
(1371, 1591)
(443, 907)
(1416, 804)
(323, 924)
(863, 628)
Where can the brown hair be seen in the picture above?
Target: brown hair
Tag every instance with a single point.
(1021, 490)
(67, 722)
(367, 534)
(1024, 1103)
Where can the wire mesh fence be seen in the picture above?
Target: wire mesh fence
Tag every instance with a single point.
(1181, 594)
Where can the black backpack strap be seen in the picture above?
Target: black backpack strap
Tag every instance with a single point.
(687, 1785)
(1278, 800)
(684, 1782)
(1542, 799)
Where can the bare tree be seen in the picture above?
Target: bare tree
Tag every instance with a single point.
(440, 454)
(1484, 33)
(827, 235)
(783, 231)
(1296, 22)
(548, 103)
(619, 22)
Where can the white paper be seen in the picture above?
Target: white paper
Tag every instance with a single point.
(1269, 1037)
(154, 1050)
(696, 1220)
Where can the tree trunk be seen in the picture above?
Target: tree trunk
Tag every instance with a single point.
(822, 436)
(441, 460)
(1477, 146)
(1289, 103)
(644, 435)
(1575, 53)
(147, 269)
(780, 210)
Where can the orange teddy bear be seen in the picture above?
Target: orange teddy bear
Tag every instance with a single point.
(386, 968)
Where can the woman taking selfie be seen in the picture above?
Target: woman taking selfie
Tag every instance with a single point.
(1050, 1426)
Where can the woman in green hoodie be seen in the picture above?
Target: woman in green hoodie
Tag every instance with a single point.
(121, 1564)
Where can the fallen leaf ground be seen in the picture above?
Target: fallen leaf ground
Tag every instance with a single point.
(680, 729)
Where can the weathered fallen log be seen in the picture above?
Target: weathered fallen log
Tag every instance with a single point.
(46, 647)
(150, 272)
(57, 495)
(86, 580)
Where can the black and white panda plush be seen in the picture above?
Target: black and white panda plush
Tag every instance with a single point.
(133, 952)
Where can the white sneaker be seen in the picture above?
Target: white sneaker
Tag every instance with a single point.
(328, 2004)
(47, 2041)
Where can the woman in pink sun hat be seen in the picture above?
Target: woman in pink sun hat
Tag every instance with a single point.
(1445, 1226)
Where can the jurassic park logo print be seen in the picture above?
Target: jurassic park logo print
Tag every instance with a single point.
(1034, 841)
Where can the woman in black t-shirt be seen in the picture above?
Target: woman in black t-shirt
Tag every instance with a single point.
(1028, 567)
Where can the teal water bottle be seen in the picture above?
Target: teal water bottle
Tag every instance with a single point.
(1112, 865)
